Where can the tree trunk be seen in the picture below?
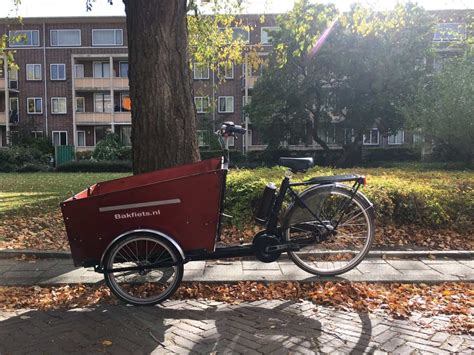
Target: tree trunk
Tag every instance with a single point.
(163, 115)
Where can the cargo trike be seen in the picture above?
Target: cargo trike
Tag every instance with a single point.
(140, 231)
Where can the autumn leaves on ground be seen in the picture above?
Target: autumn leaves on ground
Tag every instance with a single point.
(31, 219)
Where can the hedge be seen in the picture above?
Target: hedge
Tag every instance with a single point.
(434, 199)
(24, 159)
(88, 166)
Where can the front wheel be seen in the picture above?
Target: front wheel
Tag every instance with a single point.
(339, 251)
(144, 286)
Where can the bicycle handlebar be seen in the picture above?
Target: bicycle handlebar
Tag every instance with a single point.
(230, 129)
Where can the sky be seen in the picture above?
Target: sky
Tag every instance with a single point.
(59, 8)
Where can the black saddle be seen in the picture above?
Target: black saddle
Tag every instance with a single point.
(297, 165)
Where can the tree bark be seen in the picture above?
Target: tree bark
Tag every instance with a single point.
(163, 114)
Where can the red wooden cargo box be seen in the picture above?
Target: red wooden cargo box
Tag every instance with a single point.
(183, 202)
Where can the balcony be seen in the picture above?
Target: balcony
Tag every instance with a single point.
(92, 83)
(120, 83)
(3, 118)
(2, 84)
(100, 83)
(123, 117)
(93, 117)
(251, 80)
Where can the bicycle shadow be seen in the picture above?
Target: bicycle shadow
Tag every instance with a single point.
(191, 325)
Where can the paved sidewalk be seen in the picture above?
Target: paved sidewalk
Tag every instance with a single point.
(203, 327)
(60, 271)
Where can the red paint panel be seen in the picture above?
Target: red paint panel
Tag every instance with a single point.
(192, 222)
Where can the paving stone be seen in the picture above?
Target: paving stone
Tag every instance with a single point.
(256, 265)
(408, 265)
(456, 269)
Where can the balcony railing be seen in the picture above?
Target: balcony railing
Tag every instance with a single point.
(3, 118)
(251, 80)
(122, 117)
(2, 84)
(100, 83)
(103, 117)
(93, 117)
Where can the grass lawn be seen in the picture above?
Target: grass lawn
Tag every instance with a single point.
(30, 193)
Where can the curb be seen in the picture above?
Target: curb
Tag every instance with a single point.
(452, 254)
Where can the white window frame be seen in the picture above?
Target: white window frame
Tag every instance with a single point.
(94, 70)
(395, 138)
(246, 102)
(103, 102)
(51, 71)
(52, 137)
(241, 28)
(201, 98)
(108, 29)
(371, 140)
(65, 30)
(226, 98)
(76, 66)
(27, 105)
(263, 30)
(195, 77)
(40, 71)
(83, 99)
(77, 138)
(16, 44)
(120, 68)
(62, 98)
(223, 68)
(459, 24)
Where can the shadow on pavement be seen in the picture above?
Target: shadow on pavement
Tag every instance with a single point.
(193, 325)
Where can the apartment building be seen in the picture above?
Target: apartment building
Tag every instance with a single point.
(72, 79)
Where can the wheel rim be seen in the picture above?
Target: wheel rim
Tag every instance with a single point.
(145, 286)
(339, 252)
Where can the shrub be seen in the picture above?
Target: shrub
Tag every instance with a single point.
(84, 155)
(400, 197)
(110, 148)
(23, 159)
(88, 166)
(377, 155)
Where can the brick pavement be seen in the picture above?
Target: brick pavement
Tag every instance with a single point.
(60, 271)
(198, 326)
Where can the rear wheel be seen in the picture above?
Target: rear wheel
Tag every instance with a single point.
(346, 246)
(146, 286)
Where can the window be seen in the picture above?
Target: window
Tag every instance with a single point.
(265, 34)
(102, 102)
(107, 37)
(34, 105)
(78, 70)
(449, 32)
(202, 138)
(123, 106)
(13, 78)
(246, 100)
(59, 138)
(64, 38)
(13, 114)
(202, 104)
(349, 136)
(58, 105)
(123, 69)
(23, 38)
(371, 137)
(397, 138)
(101, 70)
(226, 104)
(201, 71)
(58, 71)
(37, 134)
(81, 138)
(240, 33)
(125, 135)
(33, 72)
(2, 68)
(227, 71)
(80, 104)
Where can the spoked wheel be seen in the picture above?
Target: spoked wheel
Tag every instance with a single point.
(348, 243)
(144, 286)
